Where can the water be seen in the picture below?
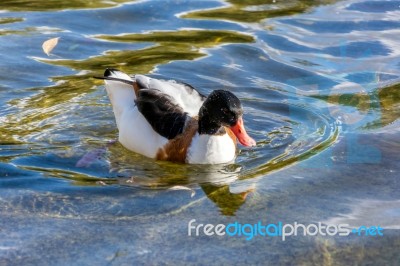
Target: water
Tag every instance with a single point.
(319, 81)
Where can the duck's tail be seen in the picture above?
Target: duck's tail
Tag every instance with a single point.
(116, 75)
(120, 90)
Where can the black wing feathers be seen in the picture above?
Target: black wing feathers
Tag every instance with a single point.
(166, 118)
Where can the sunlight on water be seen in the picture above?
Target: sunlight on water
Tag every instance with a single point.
(319, 83)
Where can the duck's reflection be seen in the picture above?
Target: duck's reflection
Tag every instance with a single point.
(220, 183)
(221, 186)
(226, 200)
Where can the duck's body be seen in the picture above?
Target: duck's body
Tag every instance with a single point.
(167, 120)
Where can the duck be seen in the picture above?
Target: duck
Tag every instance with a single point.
(172, 121)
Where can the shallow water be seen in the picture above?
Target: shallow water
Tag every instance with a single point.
(319, 82)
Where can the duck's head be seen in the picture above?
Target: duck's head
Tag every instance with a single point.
(223, 109)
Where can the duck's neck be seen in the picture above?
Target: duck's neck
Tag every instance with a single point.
(207, 126)
(122, 97)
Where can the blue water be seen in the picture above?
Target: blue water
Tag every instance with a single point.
(319, 82)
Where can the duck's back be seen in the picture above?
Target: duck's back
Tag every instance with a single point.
(181, 94)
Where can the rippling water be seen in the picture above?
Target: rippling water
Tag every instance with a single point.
(319, 82)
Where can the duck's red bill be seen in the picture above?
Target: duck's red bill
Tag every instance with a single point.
(241, 134)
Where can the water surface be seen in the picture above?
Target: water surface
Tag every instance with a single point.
(319, 82)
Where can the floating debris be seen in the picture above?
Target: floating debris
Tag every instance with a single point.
(49, 45)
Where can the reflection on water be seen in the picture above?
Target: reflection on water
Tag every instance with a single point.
(319, 82)
(37, 5)
(256, 10)
(369, 213)
(380, 105)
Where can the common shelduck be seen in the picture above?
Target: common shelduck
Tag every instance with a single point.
(170, 120)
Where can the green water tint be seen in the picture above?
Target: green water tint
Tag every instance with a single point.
(288, 158)
(389, 99)
(38, 5)
(48, 103)
(256, 10)
(165, 47)
(169, 46)
(51, 101)
(10, 20)
(26, 31)
(196, 38)
(125, 205)
(382, 104)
